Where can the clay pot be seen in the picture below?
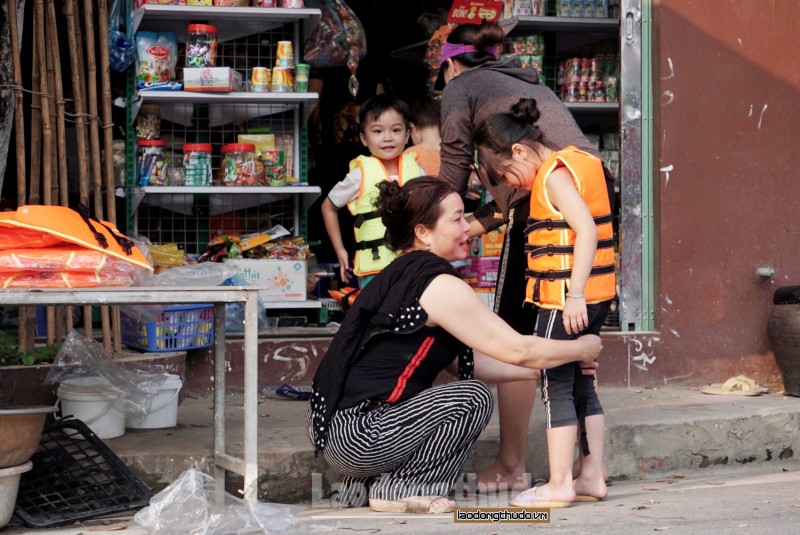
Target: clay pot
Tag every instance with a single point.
(20, 432)
(784, 335)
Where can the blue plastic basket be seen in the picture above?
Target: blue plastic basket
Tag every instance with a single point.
(178, 327)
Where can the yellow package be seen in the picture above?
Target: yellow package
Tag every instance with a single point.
(263, 142)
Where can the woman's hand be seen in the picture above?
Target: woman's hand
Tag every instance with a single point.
(591, 347)
(589, 368)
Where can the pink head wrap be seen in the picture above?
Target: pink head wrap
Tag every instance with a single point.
(450, 50)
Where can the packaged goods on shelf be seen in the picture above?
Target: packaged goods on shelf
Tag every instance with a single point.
(153, 162)
(157, 54)
(201, 47)
(221, 79)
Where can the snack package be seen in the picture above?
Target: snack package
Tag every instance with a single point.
(156, 58)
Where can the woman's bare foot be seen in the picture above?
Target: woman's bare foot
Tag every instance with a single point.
(576, 470)
(586, 488)
(499, 477)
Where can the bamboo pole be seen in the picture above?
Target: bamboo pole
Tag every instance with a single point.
(19, 117)
(50, 312)
(63, 314)
(108, 145)
(47, 134)
(94, 127)
(80, 131)
(24, 324)
(94, 142)
(36, 132)
(61, 130)
(108, 134)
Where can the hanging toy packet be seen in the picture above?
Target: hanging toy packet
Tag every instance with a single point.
(337, 39)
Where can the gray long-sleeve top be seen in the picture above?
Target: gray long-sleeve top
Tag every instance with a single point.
(482, 91)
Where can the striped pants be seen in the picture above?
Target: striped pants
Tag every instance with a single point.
(413, 448)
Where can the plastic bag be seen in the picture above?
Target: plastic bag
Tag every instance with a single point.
(80, 356)
(234, 312)
(188, 506)
(338, 38)
(121, 50)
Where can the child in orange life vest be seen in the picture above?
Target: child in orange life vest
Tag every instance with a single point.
(570, 277)
(384, 125)
(425, 136)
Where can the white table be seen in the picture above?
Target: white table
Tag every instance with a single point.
(218, 296)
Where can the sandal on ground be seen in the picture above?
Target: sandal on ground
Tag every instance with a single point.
(587, 498)
(529, 498)
(740, 385)
(412, 504)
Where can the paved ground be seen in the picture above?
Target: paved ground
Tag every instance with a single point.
(681, 461)
(758, 499)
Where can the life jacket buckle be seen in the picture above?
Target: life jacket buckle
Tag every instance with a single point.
(376, 254)
(550, 250)
(551, 275)
(549, 223)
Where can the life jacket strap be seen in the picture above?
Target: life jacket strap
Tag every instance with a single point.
(549, 224)
(536, 250)
(359, 219)
(83, 210)
(371, 244)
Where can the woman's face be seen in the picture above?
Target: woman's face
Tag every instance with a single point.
(450, 237)
(519, 170)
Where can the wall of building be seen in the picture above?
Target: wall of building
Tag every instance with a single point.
(726, 129)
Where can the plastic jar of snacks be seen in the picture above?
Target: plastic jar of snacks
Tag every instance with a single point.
(240, 167)
(201, 47)
(197, 164)
(148, 122)
(152, 162)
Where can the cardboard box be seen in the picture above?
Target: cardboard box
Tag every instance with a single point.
(213, 79)
(277, 280)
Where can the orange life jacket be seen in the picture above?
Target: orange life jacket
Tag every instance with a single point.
(75, 227)
(551, 240)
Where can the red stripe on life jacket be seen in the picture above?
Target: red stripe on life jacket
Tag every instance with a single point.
(422, 352)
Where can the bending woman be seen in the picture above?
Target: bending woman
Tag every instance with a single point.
(375, 415)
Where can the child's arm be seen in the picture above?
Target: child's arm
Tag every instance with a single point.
(562, 191)
(330, 215)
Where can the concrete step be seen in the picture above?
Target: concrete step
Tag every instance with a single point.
(648, 432)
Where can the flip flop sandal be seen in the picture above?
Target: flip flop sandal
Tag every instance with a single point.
(424, 505)
(287, 391)
(413, 504)
(757, 387)
(734, 386)
(584, 498)
(530, 499)
(388, 506)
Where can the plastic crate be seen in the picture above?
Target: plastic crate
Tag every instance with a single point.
(178, 327)
(75, 476)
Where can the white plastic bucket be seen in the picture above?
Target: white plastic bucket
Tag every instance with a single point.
(91, 400)
(164, 407)
(9, 486)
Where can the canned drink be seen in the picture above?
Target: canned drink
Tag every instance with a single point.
(285, 55)
(260, 80)
(281, 80)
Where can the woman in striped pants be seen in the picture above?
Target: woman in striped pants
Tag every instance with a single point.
(375, 415)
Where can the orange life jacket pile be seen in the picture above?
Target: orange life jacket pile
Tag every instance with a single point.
(57, 247)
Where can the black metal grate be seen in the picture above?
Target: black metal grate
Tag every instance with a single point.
(75, 476)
